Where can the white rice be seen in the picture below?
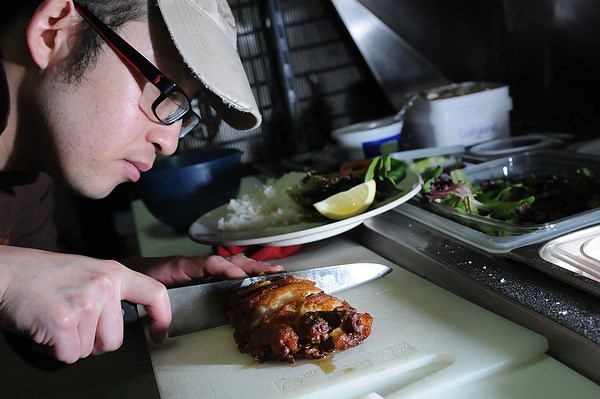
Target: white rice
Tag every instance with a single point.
(268, 205)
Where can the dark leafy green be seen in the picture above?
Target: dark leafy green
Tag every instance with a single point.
(532, 199)
(314, 187)
(387, 172)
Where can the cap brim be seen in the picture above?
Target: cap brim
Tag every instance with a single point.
(214, 60)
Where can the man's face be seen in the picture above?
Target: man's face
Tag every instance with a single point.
(103, 127)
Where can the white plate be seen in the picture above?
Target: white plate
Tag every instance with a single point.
(205, 231)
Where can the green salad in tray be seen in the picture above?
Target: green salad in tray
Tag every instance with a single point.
(532, 199)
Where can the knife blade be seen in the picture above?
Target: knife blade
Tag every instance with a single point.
(203, 306)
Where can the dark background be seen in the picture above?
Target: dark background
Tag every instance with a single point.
(547, 51)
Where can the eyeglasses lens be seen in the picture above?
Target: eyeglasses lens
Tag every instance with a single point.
(172, 108)
(190, 122)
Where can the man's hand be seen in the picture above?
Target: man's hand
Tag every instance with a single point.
(179, 270)
(71, 305)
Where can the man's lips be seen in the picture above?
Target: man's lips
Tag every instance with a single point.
(136, 168)
(142, 166)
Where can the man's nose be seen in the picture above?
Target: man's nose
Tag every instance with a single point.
(164, 138)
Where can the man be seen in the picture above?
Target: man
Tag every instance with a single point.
(89, 97)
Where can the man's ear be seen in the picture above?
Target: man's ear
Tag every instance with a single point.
(48, 31)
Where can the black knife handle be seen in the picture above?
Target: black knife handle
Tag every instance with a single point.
(130, 313)
(32, 353)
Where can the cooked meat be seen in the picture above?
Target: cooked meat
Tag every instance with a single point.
(289, 318)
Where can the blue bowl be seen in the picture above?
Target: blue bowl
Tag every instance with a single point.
(181, 188)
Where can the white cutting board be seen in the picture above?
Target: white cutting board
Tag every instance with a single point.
(424, 339)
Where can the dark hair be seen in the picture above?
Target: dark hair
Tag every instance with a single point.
(113, 13)
(88, 43)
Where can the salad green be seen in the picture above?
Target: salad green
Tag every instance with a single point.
(531, 199)
(386, 171)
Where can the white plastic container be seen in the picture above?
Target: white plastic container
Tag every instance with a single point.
(459, 114)
(369, 139)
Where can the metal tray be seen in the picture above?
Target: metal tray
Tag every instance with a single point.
(563, 258)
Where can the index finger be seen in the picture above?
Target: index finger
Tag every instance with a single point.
(252, 267)
(141, 289)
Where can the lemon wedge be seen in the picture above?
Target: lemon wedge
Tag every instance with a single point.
(348, 203)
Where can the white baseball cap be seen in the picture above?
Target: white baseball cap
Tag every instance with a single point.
(204, 32)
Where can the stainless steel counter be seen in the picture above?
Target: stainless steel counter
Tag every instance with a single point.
(568, 317)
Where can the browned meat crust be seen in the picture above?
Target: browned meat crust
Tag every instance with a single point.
(289, 318)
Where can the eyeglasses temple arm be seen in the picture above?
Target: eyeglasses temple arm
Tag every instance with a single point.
(126, 51)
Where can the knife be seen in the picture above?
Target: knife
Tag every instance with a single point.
(203, 306)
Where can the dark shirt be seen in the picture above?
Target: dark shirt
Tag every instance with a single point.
(26, 209)
(26, 202)
(4, 98)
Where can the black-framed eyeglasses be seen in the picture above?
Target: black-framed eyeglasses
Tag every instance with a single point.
(172, 104)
